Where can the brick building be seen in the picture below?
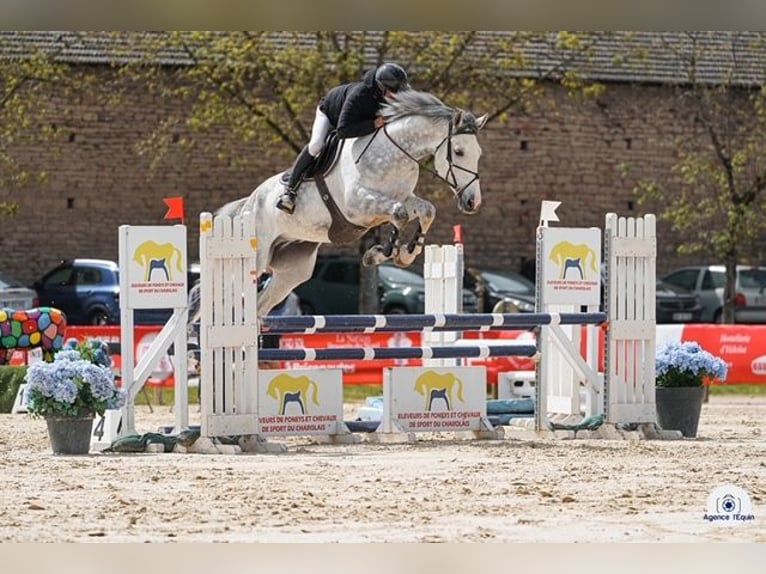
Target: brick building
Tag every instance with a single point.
(588, 155)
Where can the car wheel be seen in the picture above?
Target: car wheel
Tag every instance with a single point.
(396, 310)
(98, 318)
(718, 316)
(306, 308)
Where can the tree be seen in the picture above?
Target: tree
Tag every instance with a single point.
(262, 87)
(714, 195)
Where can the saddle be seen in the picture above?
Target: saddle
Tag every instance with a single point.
(322, 165)
(341, 229)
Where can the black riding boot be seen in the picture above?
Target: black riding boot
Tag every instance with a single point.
(287, 201)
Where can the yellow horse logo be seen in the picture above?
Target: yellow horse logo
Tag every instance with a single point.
(287, 389)
(433, 385)
(152, 255)
(568, 255)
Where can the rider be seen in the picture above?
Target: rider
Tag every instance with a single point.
(351, 109)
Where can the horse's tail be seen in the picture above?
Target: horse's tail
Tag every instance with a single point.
(314, 391)
(460, 390)
(179, 258)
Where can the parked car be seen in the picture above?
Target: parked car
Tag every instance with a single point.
(503, 291)
(88, 292)
(334, 289)
(14, 295)
(676, 304)
(708, 282)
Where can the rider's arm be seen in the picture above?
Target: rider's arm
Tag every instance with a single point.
(357, 116)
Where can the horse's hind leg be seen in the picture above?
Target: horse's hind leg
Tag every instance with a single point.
(291, 265)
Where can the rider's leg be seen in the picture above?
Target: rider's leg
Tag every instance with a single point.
(319, 132)
(287, 201)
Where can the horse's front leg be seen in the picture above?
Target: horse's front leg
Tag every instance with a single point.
(398, 217)
(425, 212)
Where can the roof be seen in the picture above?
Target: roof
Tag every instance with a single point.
(656, 57)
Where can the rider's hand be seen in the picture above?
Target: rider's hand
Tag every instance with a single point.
(379, 122)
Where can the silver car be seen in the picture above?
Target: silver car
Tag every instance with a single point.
(708, 282)
(14, 295)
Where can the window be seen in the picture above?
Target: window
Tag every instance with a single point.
(88, 276)
(59, 278)
(717, 279)
(686, 278)
(752, 278)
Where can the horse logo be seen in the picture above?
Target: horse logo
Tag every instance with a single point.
(287, 389)
(433, 385)
(570, 256)
(152, 255)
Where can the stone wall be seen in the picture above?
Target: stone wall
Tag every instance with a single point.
(572, 152)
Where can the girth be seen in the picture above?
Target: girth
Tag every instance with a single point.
(341, 229)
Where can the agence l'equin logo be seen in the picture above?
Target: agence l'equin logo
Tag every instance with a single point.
(729, 505)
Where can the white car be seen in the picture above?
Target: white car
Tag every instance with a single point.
(14, 295)
(708, 282)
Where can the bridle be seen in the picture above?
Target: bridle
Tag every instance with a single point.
(468, 127)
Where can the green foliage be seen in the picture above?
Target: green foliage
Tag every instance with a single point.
(358, 393)
(262, 88)
(738, 389)
(714, 193)
(10, 380)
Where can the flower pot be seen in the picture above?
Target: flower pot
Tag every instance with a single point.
(70, 435)
(679, 408)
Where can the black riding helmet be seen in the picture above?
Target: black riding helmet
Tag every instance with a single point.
(392, 77)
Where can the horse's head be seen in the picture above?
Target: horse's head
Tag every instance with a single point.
(457, 159)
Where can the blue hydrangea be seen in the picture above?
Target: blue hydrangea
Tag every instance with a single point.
(79, 380)
(688, 365)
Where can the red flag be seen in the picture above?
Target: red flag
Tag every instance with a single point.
(175, 208)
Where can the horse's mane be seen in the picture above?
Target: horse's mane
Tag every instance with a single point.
(412, 102)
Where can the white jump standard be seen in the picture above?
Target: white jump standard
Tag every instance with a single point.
(233, 395)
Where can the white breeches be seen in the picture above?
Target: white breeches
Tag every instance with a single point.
(319, 133)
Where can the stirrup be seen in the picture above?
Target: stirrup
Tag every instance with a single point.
(287, 202)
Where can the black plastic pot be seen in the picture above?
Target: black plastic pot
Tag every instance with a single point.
(679, 408)
(70, 435)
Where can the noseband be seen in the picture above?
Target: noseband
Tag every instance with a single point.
(464, 128)
(450, 178)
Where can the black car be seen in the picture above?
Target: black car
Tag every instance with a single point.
(334, 289)
(673, 304)
(501, 291)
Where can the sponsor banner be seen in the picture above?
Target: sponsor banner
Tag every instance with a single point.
(571, 261)
(300, 402)
(110, 334)
(435, 399)
(155, 266)
(743, 347)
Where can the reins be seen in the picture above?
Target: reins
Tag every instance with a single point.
(450, 179)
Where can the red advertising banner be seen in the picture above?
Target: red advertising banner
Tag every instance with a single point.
(743, 347)
(142, 339)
